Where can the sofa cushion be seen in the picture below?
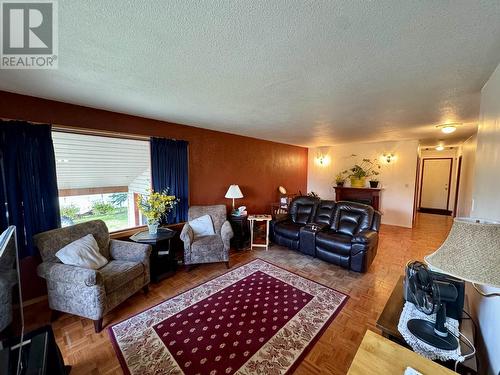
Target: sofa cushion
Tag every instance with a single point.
(348, 222)
(117, 273)
(302, 209)
(324, 212)
(351, 218)
(288, 229)
(217, 212)
(334, 258)
(48, 243)
(84, 252)
(304, 213)
(207, 249)
(213, 240)
(202, 226)
(334, 242)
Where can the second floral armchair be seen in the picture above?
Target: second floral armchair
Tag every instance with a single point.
(212, 248)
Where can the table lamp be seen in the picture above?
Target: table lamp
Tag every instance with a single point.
(471, 252)
(234, 192)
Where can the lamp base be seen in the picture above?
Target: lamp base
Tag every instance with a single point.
(424, 330)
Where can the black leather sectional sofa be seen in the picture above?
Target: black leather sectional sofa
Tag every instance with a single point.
(343, 233)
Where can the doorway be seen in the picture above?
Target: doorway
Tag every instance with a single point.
(435, 186)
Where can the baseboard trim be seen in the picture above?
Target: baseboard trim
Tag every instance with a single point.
(35, 300)
(436, 211)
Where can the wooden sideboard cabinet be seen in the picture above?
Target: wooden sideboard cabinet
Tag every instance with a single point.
(367, 196)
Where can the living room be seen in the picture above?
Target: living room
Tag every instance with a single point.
(217, 187)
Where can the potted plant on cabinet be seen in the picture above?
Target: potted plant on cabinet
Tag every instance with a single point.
(340, 178)
(374, 182)
(359, 172)
(155, 206)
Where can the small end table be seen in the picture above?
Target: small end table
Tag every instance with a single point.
(241, 237)
(162, 262)
(252, 219)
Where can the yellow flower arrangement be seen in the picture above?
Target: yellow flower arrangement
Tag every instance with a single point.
(155, 205)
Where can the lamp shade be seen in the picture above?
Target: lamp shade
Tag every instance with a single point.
(234, 192)
(471, 252)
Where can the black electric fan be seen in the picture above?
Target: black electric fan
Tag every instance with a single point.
(430, 296)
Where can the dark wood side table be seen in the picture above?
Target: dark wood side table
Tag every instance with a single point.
(389, 319)
(162, 260)
(241, 230)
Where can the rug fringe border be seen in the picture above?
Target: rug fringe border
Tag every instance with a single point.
(294, 365)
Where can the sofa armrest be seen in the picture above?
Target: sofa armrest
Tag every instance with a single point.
(129, 251)
(64, 273)
(280, 218)
(365, 237)
(187, 236)
(226, 232)
(363, 250)
(377, 217)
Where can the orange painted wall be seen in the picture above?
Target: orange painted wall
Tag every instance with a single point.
(216, 159)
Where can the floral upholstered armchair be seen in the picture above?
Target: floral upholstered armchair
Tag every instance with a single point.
(86, 292)
(211, 248)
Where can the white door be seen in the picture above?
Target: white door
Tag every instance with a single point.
(435, 183)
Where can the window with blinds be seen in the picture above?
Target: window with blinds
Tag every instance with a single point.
(99, 177)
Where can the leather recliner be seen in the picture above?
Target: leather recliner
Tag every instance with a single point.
(343, 233)
(286, 231)
(351, 241)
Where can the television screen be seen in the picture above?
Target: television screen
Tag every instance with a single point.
(11, 313)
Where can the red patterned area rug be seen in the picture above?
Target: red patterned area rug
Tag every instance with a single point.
(255, 319)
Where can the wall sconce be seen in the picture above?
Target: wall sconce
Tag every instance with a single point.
(389, 157)
(323, 160)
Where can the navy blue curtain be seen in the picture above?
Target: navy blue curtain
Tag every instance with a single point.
(28, 182)
(169, 169)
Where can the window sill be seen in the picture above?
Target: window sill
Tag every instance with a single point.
(126, 233)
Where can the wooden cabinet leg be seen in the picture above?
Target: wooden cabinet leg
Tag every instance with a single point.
(98, 325)
(145, 289)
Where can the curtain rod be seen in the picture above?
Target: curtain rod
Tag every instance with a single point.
(86, 131)
(102, 133)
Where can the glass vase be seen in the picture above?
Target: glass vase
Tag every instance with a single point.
(153, 227)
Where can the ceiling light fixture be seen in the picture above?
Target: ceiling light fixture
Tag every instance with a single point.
(447, 128)
(439, 148)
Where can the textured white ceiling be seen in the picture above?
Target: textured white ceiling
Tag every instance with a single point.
(302, 72)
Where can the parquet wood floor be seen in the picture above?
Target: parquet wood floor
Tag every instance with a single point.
(91, 353)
